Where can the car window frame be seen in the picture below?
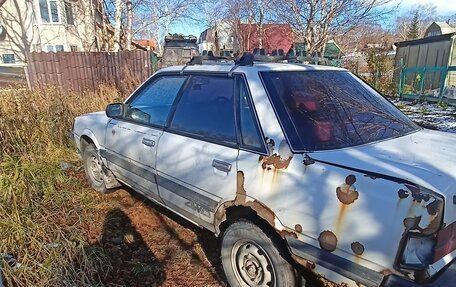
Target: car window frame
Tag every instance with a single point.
(169, 129)
(240, 78)
(144, 85)
(285, 120)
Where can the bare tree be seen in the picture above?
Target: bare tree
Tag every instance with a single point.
(153, 18)
(118, 25)
(128, 30)
(315, 21)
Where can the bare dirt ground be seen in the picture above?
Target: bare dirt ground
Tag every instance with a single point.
(147, 245)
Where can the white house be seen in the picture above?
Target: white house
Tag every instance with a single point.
(49, 26)
(219, 37)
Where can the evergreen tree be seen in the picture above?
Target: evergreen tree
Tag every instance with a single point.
(413, 31)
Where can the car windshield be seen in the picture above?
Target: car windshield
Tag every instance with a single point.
(321, 110)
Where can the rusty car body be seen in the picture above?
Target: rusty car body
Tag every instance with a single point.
(346, 183)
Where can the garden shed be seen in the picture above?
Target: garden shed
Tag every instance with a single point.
(425, 69)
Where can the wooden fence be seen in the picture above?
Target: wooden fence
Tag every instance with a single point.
(87, 70)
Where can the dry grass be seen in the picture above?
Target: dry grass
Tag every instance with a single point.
(43, 212)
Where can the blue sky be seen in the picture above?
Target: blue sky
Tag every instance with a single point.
(444, 7)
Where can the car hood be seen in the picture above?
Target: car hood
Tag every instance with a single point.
(426, 158)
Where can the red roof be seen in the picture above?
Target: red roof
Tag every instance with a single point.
(276, 36)
(146, 43)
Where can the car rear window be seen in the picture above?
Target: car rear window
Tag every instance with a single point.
(321, 110)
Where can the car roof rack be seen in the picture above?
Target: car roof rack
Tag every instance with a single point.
(248, 59)
(198, 60)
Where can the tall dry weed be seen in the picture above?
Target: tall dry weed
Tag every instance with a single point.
(44, 214)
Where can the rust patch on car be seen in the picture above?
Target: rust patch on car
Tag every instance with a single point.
(276, 161)
(285, 232)
(263, 211)
(435, 210)
(340, 218)
(417, 195)
(304, 263)
(298, 228)
(386, 272)
(241, 194)
(433, 207)
(357, 248)
(411, 223)
(346, 193)
(402, 193)
(280, 159)
(328, 241)
(428, 222)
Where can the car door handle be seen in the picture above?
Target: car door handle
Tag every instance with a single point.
(148, 142)
(221, 165)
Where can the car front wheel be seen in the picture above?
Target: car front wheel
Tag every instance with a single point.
(251, 258)
(93, 168)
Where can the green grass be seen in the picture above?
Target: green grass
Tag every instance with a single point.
(44, 211)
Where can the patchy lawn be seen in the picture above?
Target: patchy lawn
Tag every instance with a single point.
(432, 116)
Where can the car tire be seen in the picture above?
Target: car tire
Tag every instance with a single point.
(93, 168)
(252, 258)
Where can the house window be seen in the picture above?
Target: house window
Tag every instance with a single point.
(74, 48)
(55, 48)
(69, 13)
(8, 59)
(49, 11)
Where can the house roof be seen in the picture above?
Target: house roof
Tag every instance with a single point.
(439, 38)
(445, 25)
(146, 43)
(332, 49)
(206, 35)
(276, 36)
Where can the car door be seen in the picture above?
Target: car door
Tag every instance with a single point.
(131, 142)
(197, 153)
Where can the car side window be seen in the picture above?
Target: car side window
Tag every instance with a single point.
(154, 101)
(206, 109)
(250, 132)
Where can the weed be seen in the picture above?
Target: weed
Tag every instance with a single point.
(41, 215)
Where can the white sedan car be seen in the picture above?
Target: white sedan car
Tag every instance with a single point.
(293, 166)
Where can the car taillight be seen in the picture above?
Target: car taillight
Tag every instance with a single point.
(418, 251)
(446, 242)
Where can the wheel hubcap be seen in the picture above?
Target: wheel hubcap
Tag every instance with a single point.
(95, 169)
(252, 265)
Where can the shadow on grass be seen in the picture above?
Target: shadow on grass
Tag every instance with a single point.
(132, 263)
(210, 244)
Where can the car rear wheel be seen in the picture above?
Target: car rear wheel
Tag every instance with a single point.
(251, 258)
(93, 168)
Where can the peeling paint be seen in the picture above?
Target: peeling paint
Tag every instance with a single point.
(357, 248)
(416, 193)
(263, 211)
(241, 194)
(285, 232)
(346, 193)
(402, 193)
(298, 228)
(422, 216)
(279, 160)
(304, 263)
(328, 241)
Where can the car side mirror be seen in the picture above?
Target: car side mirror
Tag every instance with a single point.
(115, 110)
